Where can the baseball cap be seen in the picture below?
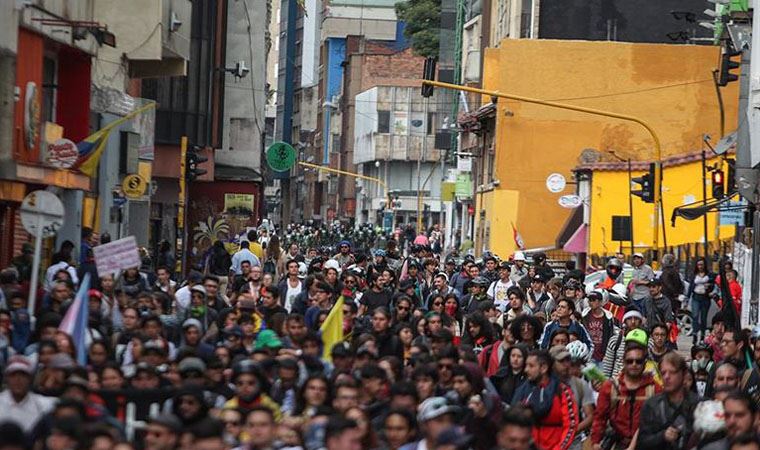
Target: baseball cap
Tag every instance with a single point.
(156, 345)
(198, 288)
(233, 330)
(559, 352)
(504, 265)
(454, 436)
(519, 256)
(538, 277)
(18, 363)
(77, 381)
(638, 336)
(267, 339)
(167, 420)
(61, 361)
(434, 407)
(191, 364)
(340, 350)
(655, 282)
(192, 323)
(638, 255)
(595, 294)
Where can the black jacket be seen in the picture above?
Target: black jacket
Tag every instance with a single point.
(658, 414)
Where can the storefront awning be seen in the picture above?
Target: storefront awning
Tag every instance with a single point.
(578, 242)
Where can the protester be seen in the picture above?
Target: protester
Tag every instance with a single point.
(344, 340)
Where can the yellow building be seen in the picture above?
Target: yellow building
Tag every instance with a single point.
(669, 86)
(681, 184)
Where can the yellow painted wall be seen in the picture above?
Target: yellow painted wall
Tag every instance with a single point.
(506, 202)
(670, 86)
(680, 185)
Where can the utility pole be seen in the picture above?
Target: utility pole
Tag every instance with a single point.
(630, 209)
(181, 241)
(748, 156)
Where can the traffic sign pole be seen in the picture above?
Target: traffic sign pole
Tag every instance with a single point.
(35, 268)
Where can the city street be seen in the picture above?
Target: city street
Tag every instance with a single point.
(379, 224)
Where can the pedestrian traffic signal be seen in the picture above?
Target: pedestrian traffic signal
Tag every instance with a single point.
(725, 75)
(428, 73)
(718, 184)
(194, 159)
(646, 181)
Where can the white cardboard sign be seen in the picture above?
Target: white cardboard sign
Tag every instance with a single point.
(117, 255)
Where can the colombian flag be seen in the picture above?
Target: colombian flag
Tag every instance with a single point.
(332, 329)
(93, 146)
(90, 151)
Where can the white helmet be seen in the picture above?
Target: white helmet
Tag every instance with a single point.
(519, 256)
(578, 351)
(619, 289)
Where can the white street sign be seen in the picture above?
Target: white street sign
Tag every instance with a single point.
(42, 216)
(570, 201)
(42, 210)
(556, 183)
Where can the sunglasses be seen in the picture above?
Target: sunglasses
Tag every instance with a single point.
(402, 308)
(638, 362)
(437, 303)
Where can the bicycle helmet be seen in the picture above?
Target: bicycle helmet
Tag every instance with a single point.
(481, 281)
(578, 351)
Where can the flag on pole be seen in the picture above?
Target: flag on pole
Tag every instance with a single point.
(332, 329)
(90, 151)
(75, 321)
(518, 239)
(93, 146)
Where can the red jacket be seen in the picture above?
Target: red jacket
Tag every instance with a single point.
(557, 430)
(614, 405)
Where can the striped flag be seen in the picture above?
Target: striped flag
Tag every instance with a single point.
(93, 146)
(90, 151)
(332, 329)
(519, 243)
(75, 321)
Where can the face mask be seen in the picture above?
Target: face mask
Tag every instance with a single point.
(451, 309)
(493, 319)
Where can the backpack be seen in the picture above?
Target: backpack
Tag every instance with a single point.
(615, 394)
(269, 266)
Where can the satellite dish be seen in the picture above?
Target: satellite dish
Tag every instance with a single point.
(726, 143)
(589, 156)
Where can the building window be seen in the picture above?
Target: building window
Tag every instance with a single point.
(526, 18)
(185, 103)
(383, 121)
(432, 124)
(49, 87)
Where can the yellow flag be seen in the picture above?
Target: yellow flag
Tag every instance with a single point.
(332, 329)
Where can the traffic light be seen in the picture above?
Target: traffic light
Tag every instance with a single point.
(194, 159)
(646, 181)
(731, 177)
(725, 75)
(428, 73)
(718, 184)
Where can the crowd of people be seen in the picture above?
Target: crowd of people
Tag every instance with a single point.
(436, 352)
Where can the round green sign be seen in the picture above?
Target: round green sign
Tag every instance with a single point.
(281, 156)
